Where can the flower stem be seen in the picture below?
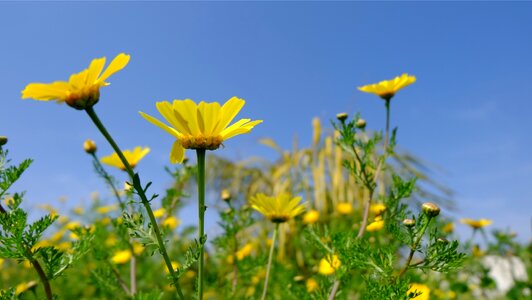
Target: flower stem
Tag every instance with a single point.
(201, 217)
(44, 279)
(377, 171)
(265, 290)
(414, 247)
(136, 184)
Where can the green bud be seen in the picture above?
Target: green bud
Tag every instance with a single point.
(430, 209)
(361, 123)
(409, 223)
(3, 140)
(342, 116)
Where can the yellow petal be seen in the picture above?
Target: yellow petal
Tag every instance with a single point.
(228, 112)
(167, 111)
(95, 69)
(240, 127)
(186, 111)
(208, 117)
(177, 154)
(46, 91)
(118, 63)
(78, 80)
(161, 125)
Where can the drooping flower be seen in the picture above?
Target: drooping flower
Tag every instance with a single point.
(277, 209)
(424, 291)
(200, 126)
(329, 265)
(476, 224)
(386, 89)
(132, 157)
(82, 90)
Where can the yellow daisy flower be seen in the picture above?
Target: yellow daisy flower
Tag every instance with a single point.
(277, 209)
(245, 251)
(200, 126)
(344, 208)
(132, 157)
(121, 257)
(375, 226)
(82, 90)
(476, 224)
(377, 208)
(386, 89)
(159, 212)
(311, 285)
(23, 287)
(311, 217)
(106, 209)
(329, 265)
(171, 222)
(419, 288)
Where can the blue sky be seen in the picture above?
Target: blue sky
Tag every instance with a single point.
(467, 113)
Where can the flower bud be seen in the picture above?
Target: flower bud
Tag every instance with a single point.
(342, 116)
(226, 195)
(89, 146)
(360, 124)
(409, 223)
(430, 209)
(3, 140)
(185, 160)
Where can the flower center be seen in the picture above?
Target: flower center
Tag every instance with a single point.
(84, 98)
(201, 142)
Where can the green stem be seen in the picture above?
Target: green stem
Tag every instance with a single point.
(44, 279)
(270, 257)
(414, 247)
(201, 217)
(387, 130)
(140, 191)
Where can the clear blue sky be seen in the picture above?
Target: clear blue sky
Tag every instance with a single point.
(468, 112)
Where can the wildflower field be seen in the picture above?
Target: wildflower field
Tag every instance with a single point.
(342, 218)
(302, 151)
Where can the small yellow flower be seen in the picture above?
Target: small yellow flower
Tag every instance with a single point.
(137, 248)
(377, 209)
(175, 265)
(200, 126)
(448, 228)
(311, 285)
(245, 251)
(225, 194)
(277, 209)
(103, 210)
(132, 157)
(375, 226)
(171, 222)
(329, 265)
(386, 89)
(89, 146)
(419, 288)
(1, 262)
(121, 257)
(9, 201)
(159, 212)
(344, 208)
(476, 224)
(73, 225)
(311, 217)
(82, 89)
